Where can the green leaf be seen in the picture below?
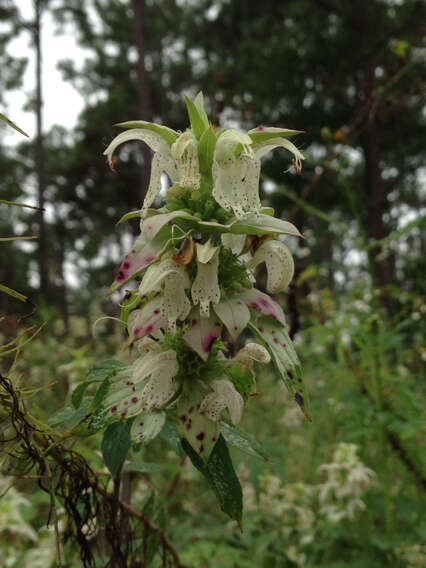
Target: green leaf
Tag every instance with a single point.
(97, 374)
(171, 434)
(128, 216)
(206, 148)
(143, 467)
(242, 380)
(12, 124)
(68, 416)
(241, 440)
(167, 133)
(104, 369)
(199, 103)
(276, 339)
(260, 224)
(13, 293)
(197, 122)
(258, 136)
(221, 477)
(16, 204)
(115, 445)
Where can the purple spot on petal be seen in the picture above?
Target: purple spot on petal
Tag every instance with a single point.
(126, 265)
(156, 311)
(201, 449)
(183, 417)
(114, 409)
(208, 341)
(141, 424)
(276, 340)
(135, 399)
(120, 276)
(290, 374)
(191, 410)
(200, 436)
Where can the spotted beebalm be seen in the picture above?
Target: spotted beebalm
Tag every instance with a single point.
(198, 325)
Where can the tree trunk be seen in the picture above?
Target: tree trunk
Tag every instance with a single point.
(145, 97)
(43, 262)
(374, 187)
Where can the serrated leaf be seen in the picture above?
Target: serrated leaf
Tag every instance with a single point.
(197, 122)
(115, 445)
(221, 477)
(241, 440)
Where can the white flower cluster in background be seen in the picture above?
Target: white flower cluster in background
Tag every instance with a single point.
(299, 512)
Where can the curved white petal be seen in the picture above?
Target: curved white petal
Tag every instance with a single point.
(155, 141)
(252, 351)
(262, 148)
(157, 272)
(176, 304)
(146, 345)
(161, 162)
(234, 242)
(279, 264)
(205, 288)
(228, 143)
(145, 320)
(185, 151)
(224, 395)
(236, 185)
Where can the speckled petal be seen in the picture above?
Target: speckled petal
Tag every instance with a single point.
(205, 288)
(145, 320)
(264, 303)
(202, 333)
(252, 352)
(201, 432)
(147, 426)
(236, 185)
(143, 254)
(224, 395)
(234, 314)
(185, 151)
(279, 264)
(285, 359)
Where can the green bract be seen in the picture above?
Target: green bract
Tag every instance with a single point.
(195, 302)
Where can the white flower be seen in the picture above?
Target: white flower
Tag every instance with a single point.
(236, 166)
(202, 333)
(224, 395)
(175, 303)
(176, 155)
(279, 264)
(252, 352)
(145, 386)
(205, 288)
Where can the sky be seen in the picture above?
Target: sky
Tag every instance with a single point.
(62, 103)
